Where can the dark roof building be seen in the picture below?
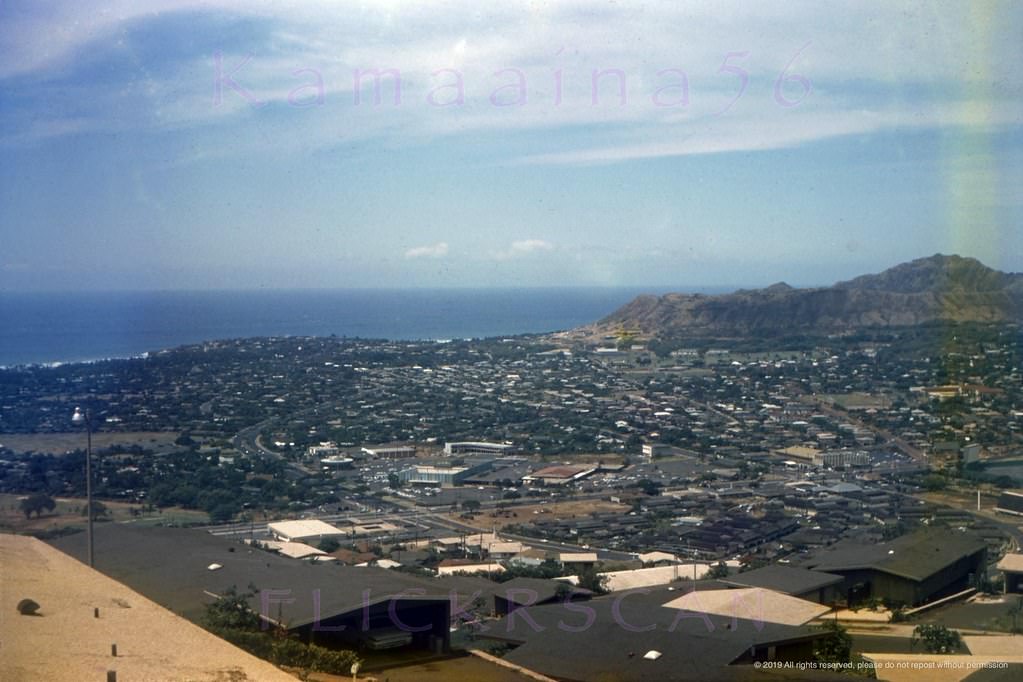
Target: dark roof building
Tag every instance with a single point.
(1010, 503)
(911, 569)
(520, 592)
(798, 582)
(183, 570)
(633, 636)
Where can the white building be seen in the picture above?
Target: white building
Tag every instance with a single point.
(840, 459)
(324, 449)
(308, 529)
(477, 448)
(393, 452)
(651, 450)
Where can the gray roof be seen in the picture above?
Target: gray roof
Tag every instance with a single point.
(916, 556)
(625, 627)
(787, 579)
(844, 487)
(169, 566)
(535, 590)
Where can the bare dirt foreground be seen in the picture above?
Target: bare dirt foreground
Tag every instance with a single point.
(65, 642)
(498, 518)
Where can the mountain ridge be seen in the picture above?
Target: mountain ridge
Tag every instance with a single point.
(937, 288)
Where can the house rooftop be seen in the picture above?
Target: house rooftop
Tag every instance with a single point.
(308, 528)
(535, 590)
(68, 643)
(1012, 563)
(607, 638)
(750, 603)
(170, 566)
(618, 581)
(787, 579)
(915, 556)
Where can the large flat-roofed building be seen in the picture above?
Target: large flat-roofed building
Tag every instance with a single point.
(478, 448)
(391, 452)
(652, 450)
(559, 475)
(337, 462)
(912, 569)
(424, 474)
(324, 449)
(839, 459)
(803, 453)
(303, 531)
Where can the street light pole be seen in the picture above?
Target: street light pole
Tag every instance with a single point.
(79, 417)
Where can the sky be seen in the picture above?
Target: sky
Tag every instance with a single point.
(208, 144)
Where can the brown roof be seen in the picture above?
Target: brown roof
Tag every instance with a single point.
(65, 641)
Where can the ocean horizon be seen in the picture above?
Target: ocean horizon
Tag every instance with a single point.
(63, 327)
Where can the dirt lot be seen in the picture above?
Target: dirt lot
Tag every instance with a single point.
(586, 458)
(68, 514)
(967, 501)
(492, 518)
(60, 443)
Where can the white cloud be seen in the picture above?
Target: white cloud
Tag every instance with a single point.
(523, 247)
(935, 55)
(530, 245)
(438, 250)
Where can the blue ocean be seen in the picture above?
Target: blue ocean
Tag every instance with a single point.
(81, 326)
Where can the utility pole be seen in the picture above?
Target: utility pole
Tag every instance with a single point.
(689, 551)
(77, 418)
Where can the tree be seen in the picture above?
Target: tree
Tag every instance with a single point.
(472, 616)
(223, 512)
(98, 510)
(231, 612)
(1015, 612)
(329, 545)
(718, 570)
(37, 503)
(893, 530)
(649, 487)
(937, 639)
(393, 482)
(835, 646)
(590, 580)
(563, 590)
(471, 505)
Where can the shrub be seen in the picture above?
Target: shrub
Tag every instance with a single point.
(231, 618)
(835, 647)
(937, 639)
